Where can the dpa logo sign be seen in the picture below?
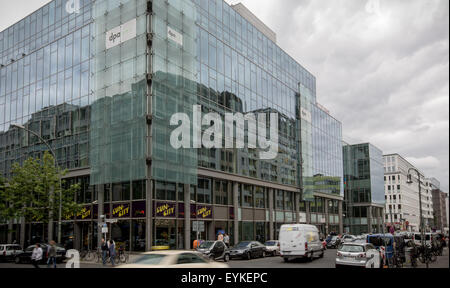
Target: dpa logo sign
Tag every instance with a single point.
(73, 6)
(121, 34)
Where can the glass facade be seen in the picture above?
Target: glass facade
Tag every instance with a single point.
(45, 67)
(364, 188)
(102, 85)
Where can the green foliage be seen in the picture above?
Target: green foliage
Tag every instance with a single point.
(35, 190)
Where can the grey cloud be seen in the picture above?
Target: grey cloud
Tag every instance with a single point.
(383, 73)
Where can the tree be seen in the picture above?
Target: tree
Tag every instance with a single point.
(34, 192)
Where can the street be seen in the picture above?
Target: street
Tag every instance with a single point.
(270, 262)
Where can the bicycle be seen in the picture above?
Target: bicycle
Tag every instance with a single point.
(122, 256)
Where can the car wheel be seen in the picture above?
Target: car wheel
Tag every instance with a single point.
(249, 256)
(286, 260)
(226, 258)
(17, 260)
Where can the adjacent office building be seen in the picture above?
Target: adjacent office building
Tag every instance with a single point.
(402, 199)
(364, 200)
(100, 81)
(439, 205)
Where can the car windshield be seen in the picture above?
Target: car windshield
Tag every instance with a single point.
(154, 259)
(352, 248)
(206, 245)
(271, 243)
(242, 245)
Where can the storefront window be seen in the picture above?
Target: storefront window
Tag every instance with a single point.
(261, 232)
(120, 233)
(247, 231)
(138, 235)
(165, 191)
(164, 235)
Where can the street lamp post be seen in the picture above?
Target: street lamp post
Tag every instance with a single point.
(59, 175)
(410, 181)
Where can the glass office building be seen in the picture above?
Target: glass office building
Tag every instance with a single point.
(101, 84)
(364, 199)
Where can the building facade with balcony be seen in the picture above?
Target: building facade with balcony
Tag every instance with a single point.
(402, 199)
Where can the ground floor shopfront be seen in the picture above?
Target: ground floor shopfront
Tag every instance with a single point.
(163, 216)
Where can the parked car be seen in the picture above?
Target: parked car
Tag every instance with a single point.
(215, 250)
(300, 241)
(348, 238)
(25, 256)
(9, 251)
(173, 259)
(358, 255)
(248, 250)
(334, 242)
(273, 247)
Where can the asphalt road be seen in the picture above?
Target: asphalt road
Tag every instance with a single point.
(269, 262)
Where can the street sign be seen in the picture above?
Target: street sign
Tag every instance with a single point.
(198, 226)
(105, 230)
(111, 220)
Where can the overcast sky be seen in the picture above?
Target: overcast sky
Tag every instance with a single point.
(382, 67)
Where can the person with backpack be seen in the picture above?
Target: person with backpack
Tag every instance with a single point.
(112, 251)
(104, 247)
(51, 254)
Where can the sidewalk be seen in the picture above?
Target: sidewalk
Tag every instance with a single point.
(441, 263)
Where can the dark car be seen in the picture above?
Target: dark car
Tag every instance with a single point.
(215, 250)
(334, 242)
(25, 257)
(248, 250)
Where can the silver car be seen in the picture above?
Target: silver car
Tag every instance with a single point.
(358, 255)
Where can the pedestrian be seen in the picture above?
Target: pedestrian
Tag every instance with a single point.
(220, 237)
(226, 239)
(36, 255)
(112, 251)
(51, 254)
(195, 244)
(104, 247)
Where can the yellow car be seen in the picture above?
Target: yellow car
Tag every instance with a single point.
(173, 259)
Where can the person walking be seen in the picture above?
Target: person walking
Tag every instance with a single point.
(226, 239)
(51, 254)
(36, 255)
(112, 251)
(104, 247)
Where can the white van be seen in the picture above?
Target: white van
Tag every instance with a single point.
(300, 241)
(418, 239)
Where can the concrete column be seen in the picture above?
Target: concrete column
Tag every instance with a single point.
(149, 215)
(187, 216)
(10, 228)
(50, 217)
(77, 236)
(101, 211)
(369, 218)
(236, 213)
(327, 217)
(308, 212)
(341, 218)
(271, 220)
(297, 207)
(22, 232)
